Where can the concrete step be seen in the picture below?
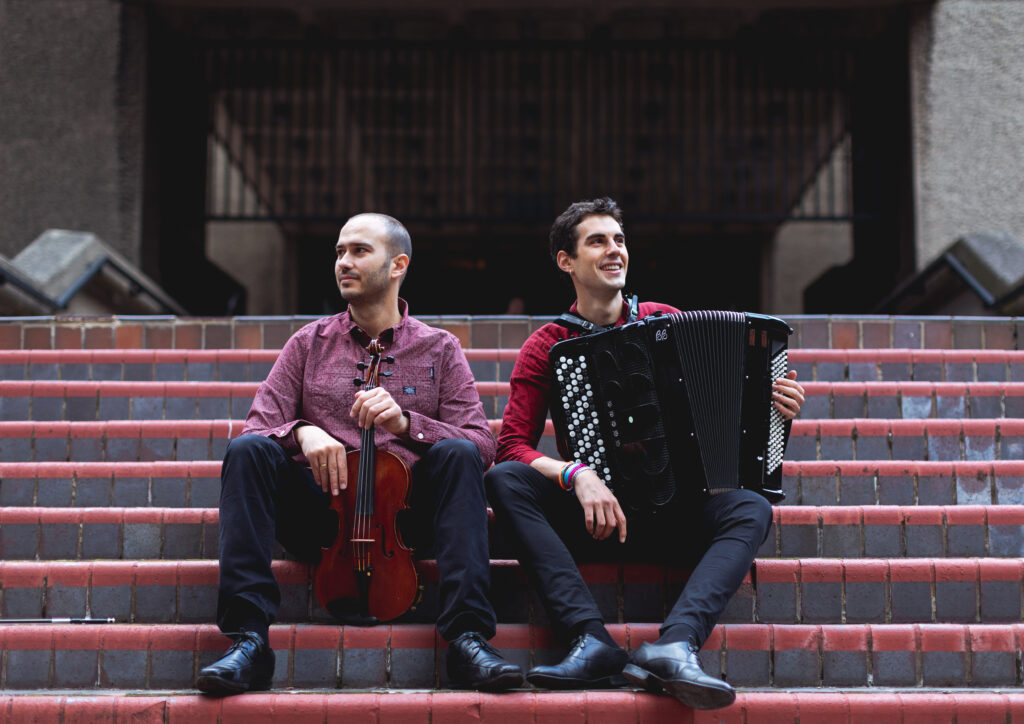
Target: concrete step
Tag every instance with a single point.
(495, 365)
(36, 533)
(141, 656)
(856, 439)
(836, 706)
(196, 484)
(805, 591)
(56, 400)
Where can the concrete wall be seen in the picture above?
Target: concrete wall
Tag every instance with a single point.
(967, 88)
(71, 100)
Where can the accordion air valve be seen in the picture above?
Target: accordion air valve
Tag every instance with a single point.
(674, 406)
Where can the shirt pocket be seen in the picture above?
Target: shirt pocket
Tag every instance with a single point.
(414, 388)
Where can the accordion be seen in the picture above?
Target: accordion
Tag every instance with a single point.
(673, 407)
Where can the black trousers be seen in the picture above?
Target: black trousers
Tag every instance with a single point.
(719, 536)
(266, 495)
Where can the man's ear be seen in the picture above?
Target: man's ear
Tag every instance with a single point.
(399, 264)
(564, 261)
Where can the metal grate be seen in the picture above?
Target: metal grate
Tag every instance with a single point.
(450, 133)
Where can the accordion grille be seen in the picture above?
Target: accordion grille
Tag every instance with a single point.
(712, 353)
(776, 423)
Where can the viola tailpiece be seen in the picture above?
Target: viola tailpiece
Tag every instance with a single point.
(368, 575)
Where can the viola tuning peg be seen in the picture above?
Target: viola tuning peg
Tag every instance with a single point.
(361, 366)
(358, 381)
(387, 374)
(389, 359)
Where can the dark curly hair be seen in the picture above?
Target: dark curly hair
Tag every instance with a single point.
(563, 231)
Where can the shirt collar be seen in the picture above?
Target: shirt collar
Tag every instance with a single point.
(387, 337)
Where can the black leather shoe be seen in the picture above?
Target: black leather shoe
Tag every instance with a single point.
(475, 664)
(675, 668)
(590, 664)
(247, 666)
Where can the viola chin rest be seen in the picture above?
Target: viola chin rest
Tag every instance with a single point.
(346, 611)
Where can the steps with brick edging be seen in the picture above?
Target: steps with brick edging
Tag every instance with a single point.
(196, 484)
(840, 706)
(61, 400)
(800, 531)
(806, 591)
(495, 364)
(864, 439)
(168, 656)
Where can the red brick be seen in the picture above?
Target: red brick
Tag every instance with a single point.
(943, 637)
(71, 637)
(955, 570)
(38, 338)
(512, 708)
(870, 707)
(413, 636)
(778, 571)
(992, 638)
(197, 709)
(821, 571)
(938, 334)
(112, 573)
(275, 334)
(896, 637)
(140, 709)
(248, 336)
(188, 336)
(217, 336)
(159, 336)
(128, 336)
(1001, 569)
(353, 708)
(406, 709)
(910, 570)
(99, 337)
(844, 638)
(747, 637)
(823, 708)
(365, 638)
(10, 335)
(845, 335)
(966, 514)
(561, 708)
(866, 570)
(775, 708)
(979, 707)
(67, 337)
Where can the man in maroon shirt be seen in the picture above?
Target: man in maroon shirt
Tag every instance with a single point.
(556, 510)
(279, 475)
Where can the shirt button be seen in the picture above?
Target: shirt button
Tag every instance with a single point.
(420, 436)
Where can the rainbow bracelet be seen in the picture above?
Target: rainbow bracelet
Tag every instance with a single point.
(568, 474)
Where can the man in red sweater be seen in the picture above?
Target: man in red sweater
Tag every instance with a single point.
(552, 527)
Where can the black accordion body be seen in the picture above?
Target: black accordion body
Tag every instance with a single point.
(674, 407)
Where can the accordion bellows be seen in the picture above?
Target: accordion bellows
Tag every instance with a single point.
(675, 406)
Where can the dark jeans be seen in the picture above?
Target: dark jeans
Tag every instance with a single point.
(720, 536)
(266, 495)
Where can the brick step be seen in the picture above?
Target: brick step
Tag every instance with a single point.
(30, 533)
(856, 439)
(833, 706)
(807, 591)
(55, 400)
(494, 364)
(197, 484)
(142, 656)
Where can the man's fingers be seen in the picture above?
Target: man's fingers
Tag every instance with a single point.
(620, 519)
(342, 463)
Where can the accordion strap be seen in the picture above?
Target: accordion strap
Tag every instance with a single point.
(576, 323)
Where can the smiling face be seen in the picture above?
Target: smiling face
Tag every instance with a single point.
(364, 268)
(599, 265)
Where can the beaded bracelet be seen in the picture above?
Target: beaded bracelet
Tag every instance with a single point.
(569, 472)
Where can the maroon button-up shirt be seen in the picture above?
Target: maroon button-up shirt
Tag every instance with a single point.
(312, 382)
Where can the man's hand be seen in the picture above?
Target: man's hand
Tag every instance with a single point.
(378, 407)
(601, 510)
(788, 395)
(326, 458)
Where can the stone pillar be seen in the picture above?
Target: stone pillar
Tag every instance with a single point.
(967, 107)
(71, 120)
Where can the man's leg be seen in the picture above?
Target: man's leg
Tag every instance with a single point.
(530, 508)
(263, 495)
(448, 501)
(735, 523)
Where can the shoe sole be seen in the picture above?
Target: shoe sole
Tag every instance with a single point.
(694, 696)
(501, 682)
(545, 681)
(216, 686)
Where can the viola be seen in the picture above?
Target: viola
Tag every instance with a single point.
(368, 575)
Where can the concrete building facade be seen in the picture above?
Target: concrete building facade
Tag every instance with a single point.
(105, 128)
